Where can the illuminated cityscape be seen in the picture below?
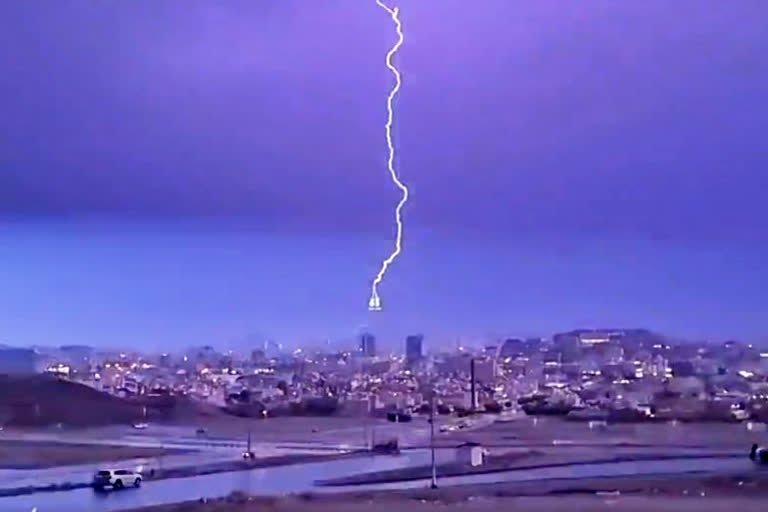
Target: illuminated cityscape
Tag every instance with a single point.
(633, 374)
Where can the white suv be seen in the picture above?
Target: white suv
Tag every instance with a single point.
(117, 478)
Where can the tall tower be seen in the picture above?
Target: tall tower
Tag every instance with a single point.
(413, 348)
(368, 344)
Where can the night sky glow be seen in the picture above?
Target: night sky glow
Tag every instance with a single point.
(188, 172)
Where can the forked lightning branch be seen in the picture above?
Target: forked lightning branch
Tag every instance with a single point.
(374, 302)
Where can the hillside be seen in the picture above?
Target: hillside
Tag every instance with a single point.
(45, 400)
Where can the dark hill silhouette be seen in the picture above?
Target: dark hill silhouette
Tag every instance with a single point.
(45, 400)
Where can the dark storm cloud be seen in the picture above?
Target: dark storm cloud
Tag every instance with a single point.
(639, 118)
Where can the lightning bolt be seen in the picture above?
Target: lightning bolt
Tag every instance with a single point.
(374, 303)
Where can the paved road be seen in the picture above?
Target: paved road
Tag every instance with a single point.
(204, 451)
(300, 478)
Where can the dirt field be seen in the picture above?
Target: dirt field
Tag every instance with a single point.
(292, 429)
(553, 430)
(548, 504)
(39, 455)
(650, 494)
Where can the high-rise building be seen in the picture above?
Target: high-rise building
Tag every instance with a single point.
(511, 348)
(368, 344)
(413, 348)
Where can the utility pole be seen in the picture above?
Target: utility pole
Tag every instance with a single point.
(473, 399)
(432, 438)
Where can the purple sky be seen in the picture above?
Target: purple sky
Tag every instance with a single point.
(557, 151)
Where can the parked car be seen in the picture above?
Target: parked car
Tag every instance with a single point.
(399, 417)
(759, 454)
(116, 478)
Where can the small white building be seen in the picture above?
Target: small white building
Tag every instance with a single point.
(470, 453)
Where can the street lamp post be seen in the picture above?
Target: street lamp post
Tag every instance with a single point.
(432, 439)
